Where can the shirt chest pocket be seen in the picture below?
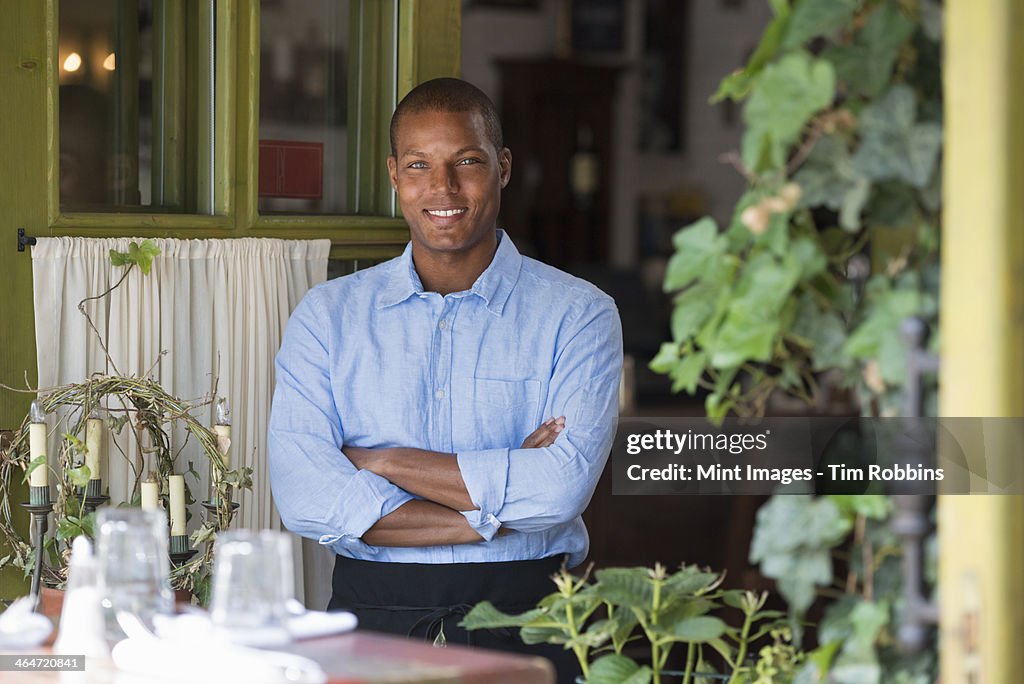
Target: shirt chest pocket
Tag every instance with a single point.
(503, 412)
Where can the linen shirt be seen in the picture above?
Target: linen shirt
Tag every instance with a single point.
(373, 360)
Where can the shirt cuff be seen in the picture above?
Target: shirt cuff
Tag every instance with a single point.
(486, 476)
(366, 498)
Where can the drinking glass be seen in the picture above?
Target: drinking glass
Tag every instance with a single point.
(133, 571)
(252, 583)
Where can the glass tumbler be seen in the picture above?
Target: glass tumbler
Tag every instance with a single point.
(252, 582)
(133, 570)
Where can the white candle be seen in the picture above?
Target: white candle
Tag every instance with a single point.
(151, 494)
(176, 489)
(37, 448)
(223, 433)
(94, 439)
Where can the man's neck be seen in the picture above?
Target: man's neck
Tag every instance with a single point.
(447, 272)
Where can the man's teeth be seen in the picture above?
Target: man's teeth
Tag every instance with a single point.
(445, 212)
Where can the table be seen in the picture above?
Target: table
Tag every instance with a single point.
(363, 657)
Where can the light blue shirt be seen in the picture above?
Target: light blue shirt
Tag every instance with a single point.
(372, 360)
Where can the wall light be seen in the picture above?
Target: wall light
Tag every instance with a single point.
(108, 63)
(73, 62)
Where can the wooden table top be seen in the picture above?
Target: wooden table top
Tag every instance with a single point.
(363, 657)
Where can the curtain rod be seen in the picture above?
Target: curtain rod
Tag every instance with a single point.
(24, 240)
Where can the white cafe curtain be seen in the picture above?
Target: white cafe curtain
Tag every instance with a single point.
(219, 309)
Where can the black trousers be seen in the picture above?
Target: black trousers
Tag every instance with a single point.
(420, 599)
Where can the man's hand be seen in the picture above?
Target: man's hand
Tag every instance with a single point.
(545, 435)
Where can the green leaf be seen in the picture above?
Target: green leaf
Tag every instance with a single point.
(79, 477)
(813, 18)
(787, 94)
(893, 145)
(698, 629)
(829, 178)
(544, 634)
(618, 669)
(824, 331)
(691, 581)
(666, 358)
(629, 587)
(622, 623)
(141, 256)
(809, 256)
(744, 336)
(692, 308)
(119, 258)
(878, 337)
(68, 527)
(37, 462)
(793, 539)
(865, 67)
(688, 372)
(485, 616)
(737, 84)
(699, 251)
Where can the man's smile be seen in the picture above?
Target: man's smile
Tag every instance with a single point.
(445, 216)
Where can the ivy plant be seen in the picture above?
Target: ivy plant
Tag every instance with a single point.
(835, 239)
(842, 548)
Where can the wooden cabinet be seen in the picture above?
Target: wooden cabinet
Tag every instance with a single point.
(557, 117)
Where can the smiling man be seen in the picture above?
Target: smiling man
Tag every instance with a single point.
(404, 432)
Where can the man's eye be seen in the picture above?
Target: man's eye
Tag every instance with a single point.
(468, 161)
(418, 165)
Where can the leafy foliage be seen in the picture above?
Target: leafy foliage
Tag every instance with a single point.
(149, 411)
(834, 242)
(795, 542)
(624, 604)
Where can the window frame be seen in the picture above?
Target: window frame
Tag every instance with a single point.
(397, 42)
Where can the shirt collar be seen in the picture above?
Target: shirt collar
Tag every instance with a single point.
(494, 285)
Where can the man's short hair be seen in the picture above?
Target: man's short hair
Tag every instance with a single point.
(448, 95)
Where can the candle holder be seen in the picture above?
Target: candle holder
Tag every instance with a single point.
(211, 506)
(40, 520)
(94, 488)
(180, 551)
(90, 501)
(39, 496)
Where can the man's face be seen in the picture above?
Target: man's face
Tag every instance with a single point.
(448, 177)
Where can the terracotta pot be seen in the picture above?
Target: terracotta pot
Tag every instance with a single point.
(51, 601)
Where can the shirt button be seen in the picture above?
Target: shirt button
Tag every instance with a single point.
(439, 394)
(443, 324)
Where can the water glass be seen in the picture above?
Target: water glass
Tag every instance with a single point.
(133, 571)
(253, 574)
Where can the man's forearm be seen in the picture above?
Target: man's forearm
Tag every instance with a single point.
(430, 474)
(421, 523)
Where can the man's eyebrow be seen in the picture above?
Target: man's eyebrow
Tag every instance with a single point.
(463, 150)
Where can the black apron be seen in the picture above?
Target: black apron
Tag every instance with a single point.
(418, 600)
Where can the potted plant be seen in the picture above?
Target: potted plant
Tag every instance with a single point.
(140, 409)
(623, 610)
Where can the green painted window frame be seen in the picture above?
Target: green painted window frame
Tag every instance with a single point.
(397, 43)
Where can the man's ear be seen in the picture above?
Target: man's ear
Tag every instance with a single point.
(504, 166)
(393, 172)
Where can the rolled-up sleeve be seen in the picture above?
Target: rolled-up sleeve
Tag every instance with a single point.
(534, 489)
(318, 492)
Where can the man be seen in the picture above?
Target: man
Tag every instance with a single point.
(404, 390)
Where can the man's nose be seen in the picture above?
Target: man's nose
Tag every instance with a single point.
(445, 181)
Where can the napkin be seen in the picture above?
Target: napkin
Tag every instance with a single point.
(155, 658)
(20, 627)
